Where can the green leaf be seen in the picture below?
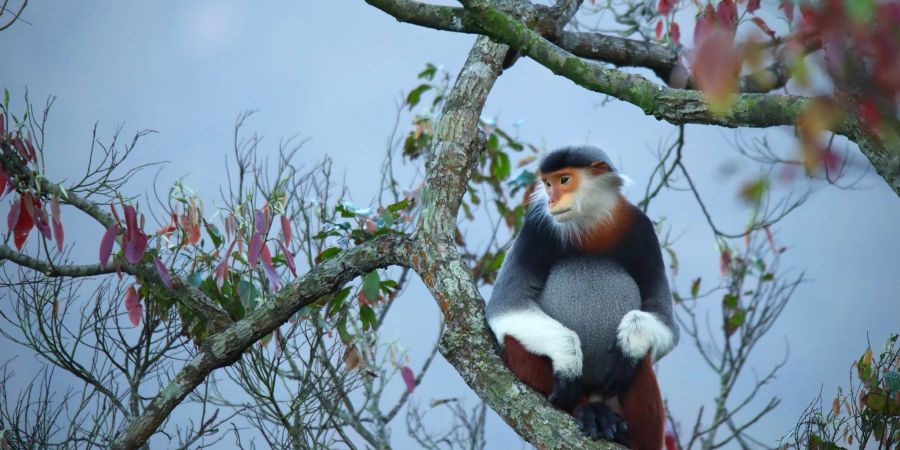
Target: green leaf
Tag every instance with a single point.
(768, 276)
(429, 72)
(327, 254)
(493, 143)
(371, 283)
(730, 301)
(5, 98)
(695, 287)
(214, 234)
(337, 301)
(861, 11)
(367, 315)
(416, 94)
(501, 167)
(399, 206)
(345, 335)
(674, 260)
(735, 322)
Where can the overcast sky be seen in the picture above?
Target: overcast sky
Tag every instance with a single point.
(333, 71)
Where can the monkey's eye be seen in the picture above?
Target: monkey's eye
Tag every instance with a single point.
(563, 180)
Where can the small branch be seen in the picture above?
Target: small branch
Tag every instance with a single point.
(226, 347)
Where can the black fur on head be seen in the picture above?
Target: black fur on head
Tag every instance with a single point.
(574, 156)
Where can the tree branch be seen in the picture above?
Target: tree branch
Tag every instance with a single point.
(226, 347)
(467, 343)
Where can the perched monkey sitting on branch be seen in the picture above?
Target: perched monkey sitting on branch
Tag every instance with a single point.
(582, 306)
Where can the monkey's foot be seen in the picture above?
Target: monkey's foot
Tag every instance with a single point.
(600, 422)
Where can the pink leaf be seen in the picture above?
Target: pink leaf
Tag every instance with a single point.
(286, 229)
(726, 13)
(32, 154)
(752, 6)
(253, 251)
(665, 6)
(763, 26)
(408, 378)
(2, 123)
(675, 33)
(261, 221)
(270, 269)
(724, 261)
(788, 7)
(114, 213)
(222, 267)
(57, 223)
(163, 272)
(371, 227)
(659, 29)
(13, 217)
(289, 258)
(133, 305)
(716, 66)
(106, 243)
(705, 24)
(134, 240)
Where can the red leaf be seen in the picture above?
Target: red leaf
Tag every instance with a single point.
(41, 221)
(106, 243)
(2, 123)
(705, 23)
(277, 338)
(752, 6)
(289, 257)
(771, 240)
(24, 223)
(134, 241)
(32, 154)
(665, 6)
(286, 229)
(5, 181)
(726, 14)
(659, 29)
(788, 7)
(13, 217)
(725, 261)
(23, 152)
(253, 251)
(408, 378)
(114, 213)
(222, 267)
(133, 305)
(763, 26)
(371, 226)
(57, 223)
(675, 33)
(163, 272)
(270, 269)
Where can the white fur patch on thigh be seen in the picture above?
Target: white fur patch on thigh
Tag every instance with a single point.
(542, 335)
(641, 332)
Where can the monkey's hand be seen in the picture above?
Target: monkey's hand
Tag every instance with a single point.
(566, 391)
(621, 372)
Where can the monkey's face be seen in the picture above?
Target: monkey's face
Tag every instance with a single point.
(572, 190)
(562, 189)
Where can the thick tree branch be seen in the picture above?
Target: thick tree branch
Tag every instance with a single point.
(619, 51)
(226, 347)
(467, 342)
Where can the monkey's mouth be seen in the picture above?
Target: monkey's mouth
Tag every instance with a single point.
(562, 211)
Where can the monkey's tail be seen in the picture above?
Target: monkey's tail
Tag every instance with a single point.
(643, 409)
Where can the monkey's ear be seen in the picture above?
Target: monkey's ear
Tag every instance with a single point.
(600, 168)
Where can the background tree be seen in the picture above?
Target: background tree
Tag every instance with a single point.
(226, 300)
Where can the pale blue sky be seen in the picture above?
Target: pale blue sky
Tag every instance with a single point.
(333, 71)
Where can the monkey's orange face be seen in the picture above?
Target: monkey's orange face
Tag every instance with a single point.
(565, 186)
(562, 187)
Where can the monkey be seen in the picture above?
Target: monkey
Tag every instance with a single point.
(581, 306)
